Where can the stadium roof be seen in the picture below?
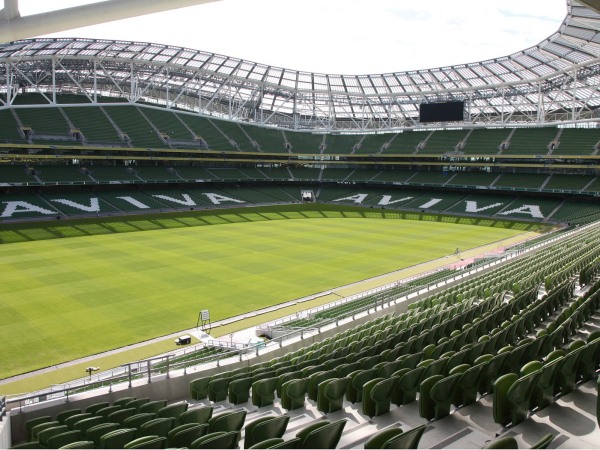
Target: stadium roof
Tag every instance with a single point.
(556, 81)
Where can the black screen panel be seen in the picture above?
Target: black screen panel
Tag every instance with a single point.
(442, 112)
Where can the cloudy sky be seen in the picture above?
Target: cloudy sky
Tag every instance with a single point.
(340, 36)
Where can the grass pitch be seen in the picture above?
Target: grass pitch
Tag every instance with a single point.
(115, 285)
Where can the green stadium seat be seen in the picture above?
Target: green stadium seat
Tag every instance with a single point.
(124, 401)
(157, 427)
(94, 408)
(322, 434)
(64, 415)
(120, 415)
(117, 438)
(218, 389)
(174, 410)
(263, 391)
(80, 445)
(36, 421)
(147, 442)
(96, 432)
(239, 390)
(199, 415)
(330, 397)
(152, 406)
(265, 428)
(199, 388)
(219, 439)
(293, 393)
(66, 438)
(396, 438)
(377, 395)
(184, 435)
(227, 421)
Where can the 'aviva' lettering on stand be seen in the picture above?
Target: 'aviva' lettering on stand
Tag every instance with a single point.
(471, 206)
(21, 208)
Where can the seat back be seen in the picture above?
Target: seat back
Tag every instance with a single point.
(407, 439)
(117, 438)
(199, 415)
(293, 393)
(326, 436)
(184, 435)
(265, 428)
(263, 391)
(330, 397)
(220, 439)
(227, 421)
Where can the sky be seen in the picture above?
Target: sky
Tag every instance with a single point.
(350, 37)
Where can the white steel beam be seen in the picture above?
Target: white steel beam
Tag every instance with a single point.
(14, 27)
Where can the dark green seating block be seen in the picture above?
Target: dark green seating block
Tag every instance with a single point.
(123, 401)
(157, 427)
(284, 378)
(323, 436)
(95, 407)
(147, 442)
(263, 391)
(117, 438)
(36, 421)
(265, 428)
(66, 438)
(218, 389)
(377, 395)
(120, 415)
(85, 423)
(152, 406)
(38, 428)
(269, 443)
(315, 379)
(137, 403)
(199, 415)
(44, 435)
(405, 390)
(503, 442)
(239, 390)
(293, 393)
(64, 415)
(199, 388)
(330, 397)
(566, 377)
(104, 412)
(74, 420)
(468, 385)
(512, 397)
(391, 438)
(80, 445)
(138, 420)
(174, 410)
(227, 421)
(543, 391)
(220, 439)
(96, 432)
(184, 435)
(442, 394)
(358, 379)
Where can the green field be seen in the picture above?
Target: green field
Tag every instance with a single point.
(119, 281)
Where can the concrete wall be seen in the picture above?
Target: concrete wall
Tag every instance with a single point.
(5, 432)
